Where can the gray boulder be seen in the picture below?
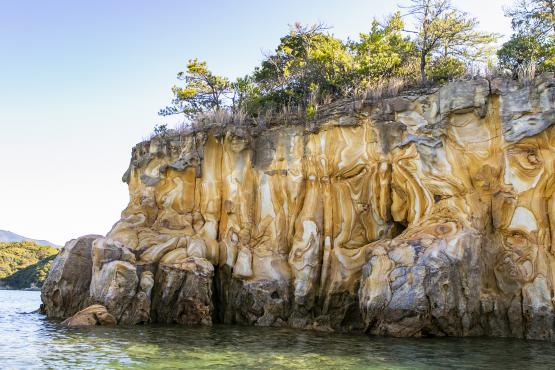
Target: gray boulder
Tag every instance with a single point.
(66, 288)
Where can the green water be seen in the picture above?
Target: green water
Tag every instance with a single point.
(28, 340)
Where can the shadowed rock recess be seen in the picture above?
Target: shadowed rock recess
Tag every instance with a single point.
(430, 213)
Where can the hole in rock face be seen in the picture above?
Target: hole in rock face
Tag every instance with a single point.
(274, 295)
(397, 229)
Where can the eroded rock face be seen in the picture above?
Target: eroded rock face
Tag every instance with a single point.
(428, 214)
(114, 280)
(66, 288)
(183, 292)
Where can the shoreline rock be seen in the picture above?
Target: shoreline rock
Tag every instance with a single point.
(91, 316)
(417, 215)
(66, 288)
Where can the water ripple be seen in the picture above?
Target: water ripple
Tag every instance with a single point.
(28, 340)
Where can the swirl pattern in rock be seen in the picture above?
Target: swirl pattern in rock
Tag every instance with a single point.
(422, 214)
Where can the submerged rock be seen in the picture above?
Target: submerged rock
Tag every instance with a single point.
(422, 214)
(91, 316)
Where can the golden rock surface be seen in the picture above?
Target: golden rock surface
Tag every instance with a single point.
(422, 214)
(91, 316)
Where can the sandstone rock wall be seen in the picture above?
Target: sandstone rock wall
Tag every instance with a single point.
(423, 214)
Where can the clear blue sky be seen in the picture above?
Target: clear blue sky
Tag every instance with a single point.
(82, 81)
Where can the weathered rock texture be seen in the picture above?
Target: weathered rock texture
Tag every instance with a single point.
(423, 214)
(66, 289)
(91, 316)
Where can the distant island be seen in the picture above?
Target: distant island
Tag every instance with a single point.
(24, 264)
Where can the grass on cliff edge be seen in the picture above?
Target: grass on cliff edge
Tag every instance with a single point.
(25, 264)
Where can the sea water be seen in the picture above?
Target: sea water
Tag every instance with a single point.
(28, 340)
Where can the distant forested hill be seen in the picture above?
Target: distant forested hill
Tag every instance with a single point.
(24, 264)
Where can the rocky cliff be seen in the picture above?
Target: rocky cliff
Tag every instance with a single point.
(430, 213)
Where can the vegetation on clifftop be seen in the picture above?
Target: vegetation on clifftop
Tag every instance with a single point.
(426, 42)
(531, 48)
(25, 264)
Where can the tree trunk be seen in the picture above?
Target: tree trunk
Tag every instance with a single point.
(423, 67)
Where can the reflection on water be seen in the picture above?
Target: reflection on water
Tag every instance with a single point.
(27, 340)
